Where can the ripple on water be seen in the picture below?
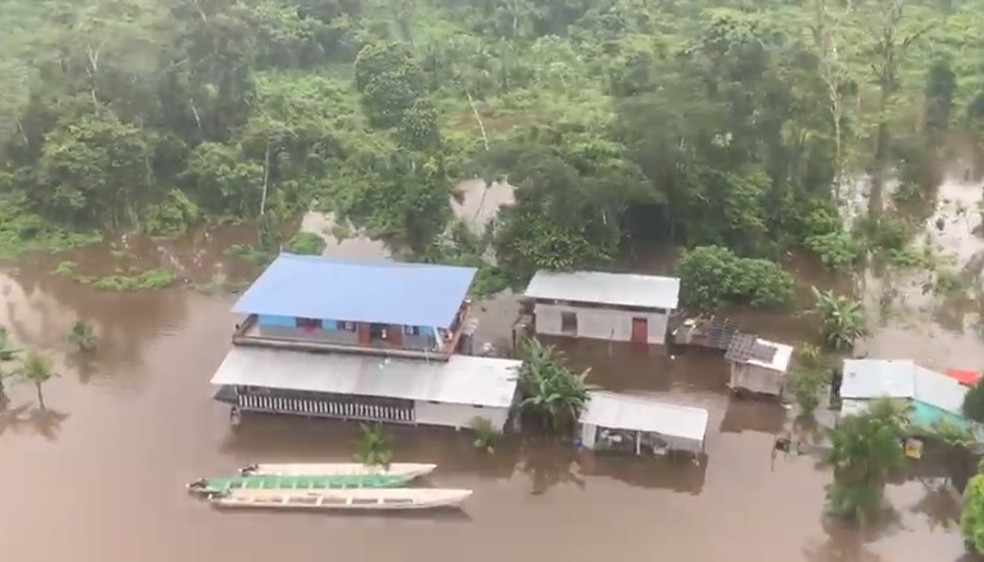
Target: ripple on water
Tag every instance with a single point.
(914, 320)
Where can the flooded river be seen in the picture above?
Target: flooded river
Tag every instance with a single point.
(99, 476)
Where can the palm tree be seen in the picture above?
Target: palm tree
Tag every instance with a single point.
(82, 335)
(375, 448)
(36, 369)
(841, 320)
(865, 451)
(550, 390)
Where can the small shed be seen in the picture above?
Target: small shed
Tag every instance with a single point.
(599, 305)
(933, 396)
(612, 421)
(758, 365)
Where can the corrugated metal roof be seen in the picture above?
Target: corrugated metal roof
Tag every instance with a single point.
(875, 378)
(482, 381)
(939, 390)
(374, 291)
(622, 289)
(619, 411)
(753, 350)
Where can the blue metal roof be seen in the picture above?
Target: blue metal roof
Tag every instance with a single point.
(374, 291)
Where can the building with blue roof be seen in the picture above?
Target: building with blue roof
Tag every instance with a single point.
(365, 306)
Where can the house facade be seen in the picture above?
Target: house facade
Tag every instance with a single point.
(757, 365)
(359, 387)
(598, 305)
(362, 340)
(401, 309)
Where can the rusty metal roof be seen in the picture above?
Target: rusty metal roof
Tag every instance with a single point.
(746, 346)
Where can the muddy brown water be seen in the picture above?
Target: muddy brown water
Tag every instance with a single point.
(100, 475)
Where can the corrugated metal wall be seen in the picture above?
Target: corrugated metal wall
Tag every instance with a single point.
(597, 323)
(326, 407)
(458, 415)
(425, 413)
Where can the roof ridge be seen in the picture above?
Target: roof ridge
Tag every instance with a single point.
(646, 399)
(368, 262)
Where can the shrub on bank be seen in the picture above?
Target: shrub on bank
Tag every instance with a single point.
(712, 276)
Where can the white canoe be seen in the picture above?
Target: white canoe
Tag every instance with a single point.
(413, 470)
(357, 499)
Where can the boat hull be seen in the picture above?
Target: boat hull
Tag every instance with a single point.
(388, 499)
(412, 470)
(219, 485)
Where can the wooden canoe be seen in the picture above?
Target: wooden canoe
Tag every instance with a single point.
(210, 486)
(411, 470)
(354, 499)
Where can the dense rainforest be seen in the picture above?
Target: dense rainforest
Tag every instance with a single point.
(738, 130)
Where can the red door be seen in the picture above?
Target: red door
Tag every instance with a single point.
(640, 330)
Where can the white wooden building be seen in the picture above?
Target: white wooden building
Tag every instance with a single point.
(448, 393)
(758, 365)
(933, 395)
(607, 306)
(620, 422)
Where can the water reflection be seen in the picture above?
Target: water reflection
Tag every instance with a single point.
(677, 474)
(939, 505)
(84, 365)
(548, 462)
(27, 418)
(756, 415)
(849, 541)
(623, 366)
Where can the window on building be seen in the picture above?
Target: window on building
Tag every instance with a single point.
(377, 331)
(411, 330)
(309, 323)
(568, 322)
(347, 326)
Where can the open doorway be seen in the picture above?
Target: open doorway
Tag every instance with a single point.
(568, 323)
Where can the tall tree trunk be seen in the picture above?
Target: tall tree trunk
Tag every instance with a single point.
(266, 178)
(37, 386)
(878, 170)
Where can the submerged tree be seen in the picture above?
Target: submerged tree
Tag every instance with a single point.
(972, 517)
(37, 370)
(808, 379)
(841, 320)
(375, 448)
(973, 404)
(485, 433)
(7, 353)
(82, 335)
(806, 385)
(865, 451)
(957, 442)
(551, 392)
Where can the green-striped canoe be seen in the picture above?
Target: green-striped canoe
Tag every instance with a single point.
(307, 482)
